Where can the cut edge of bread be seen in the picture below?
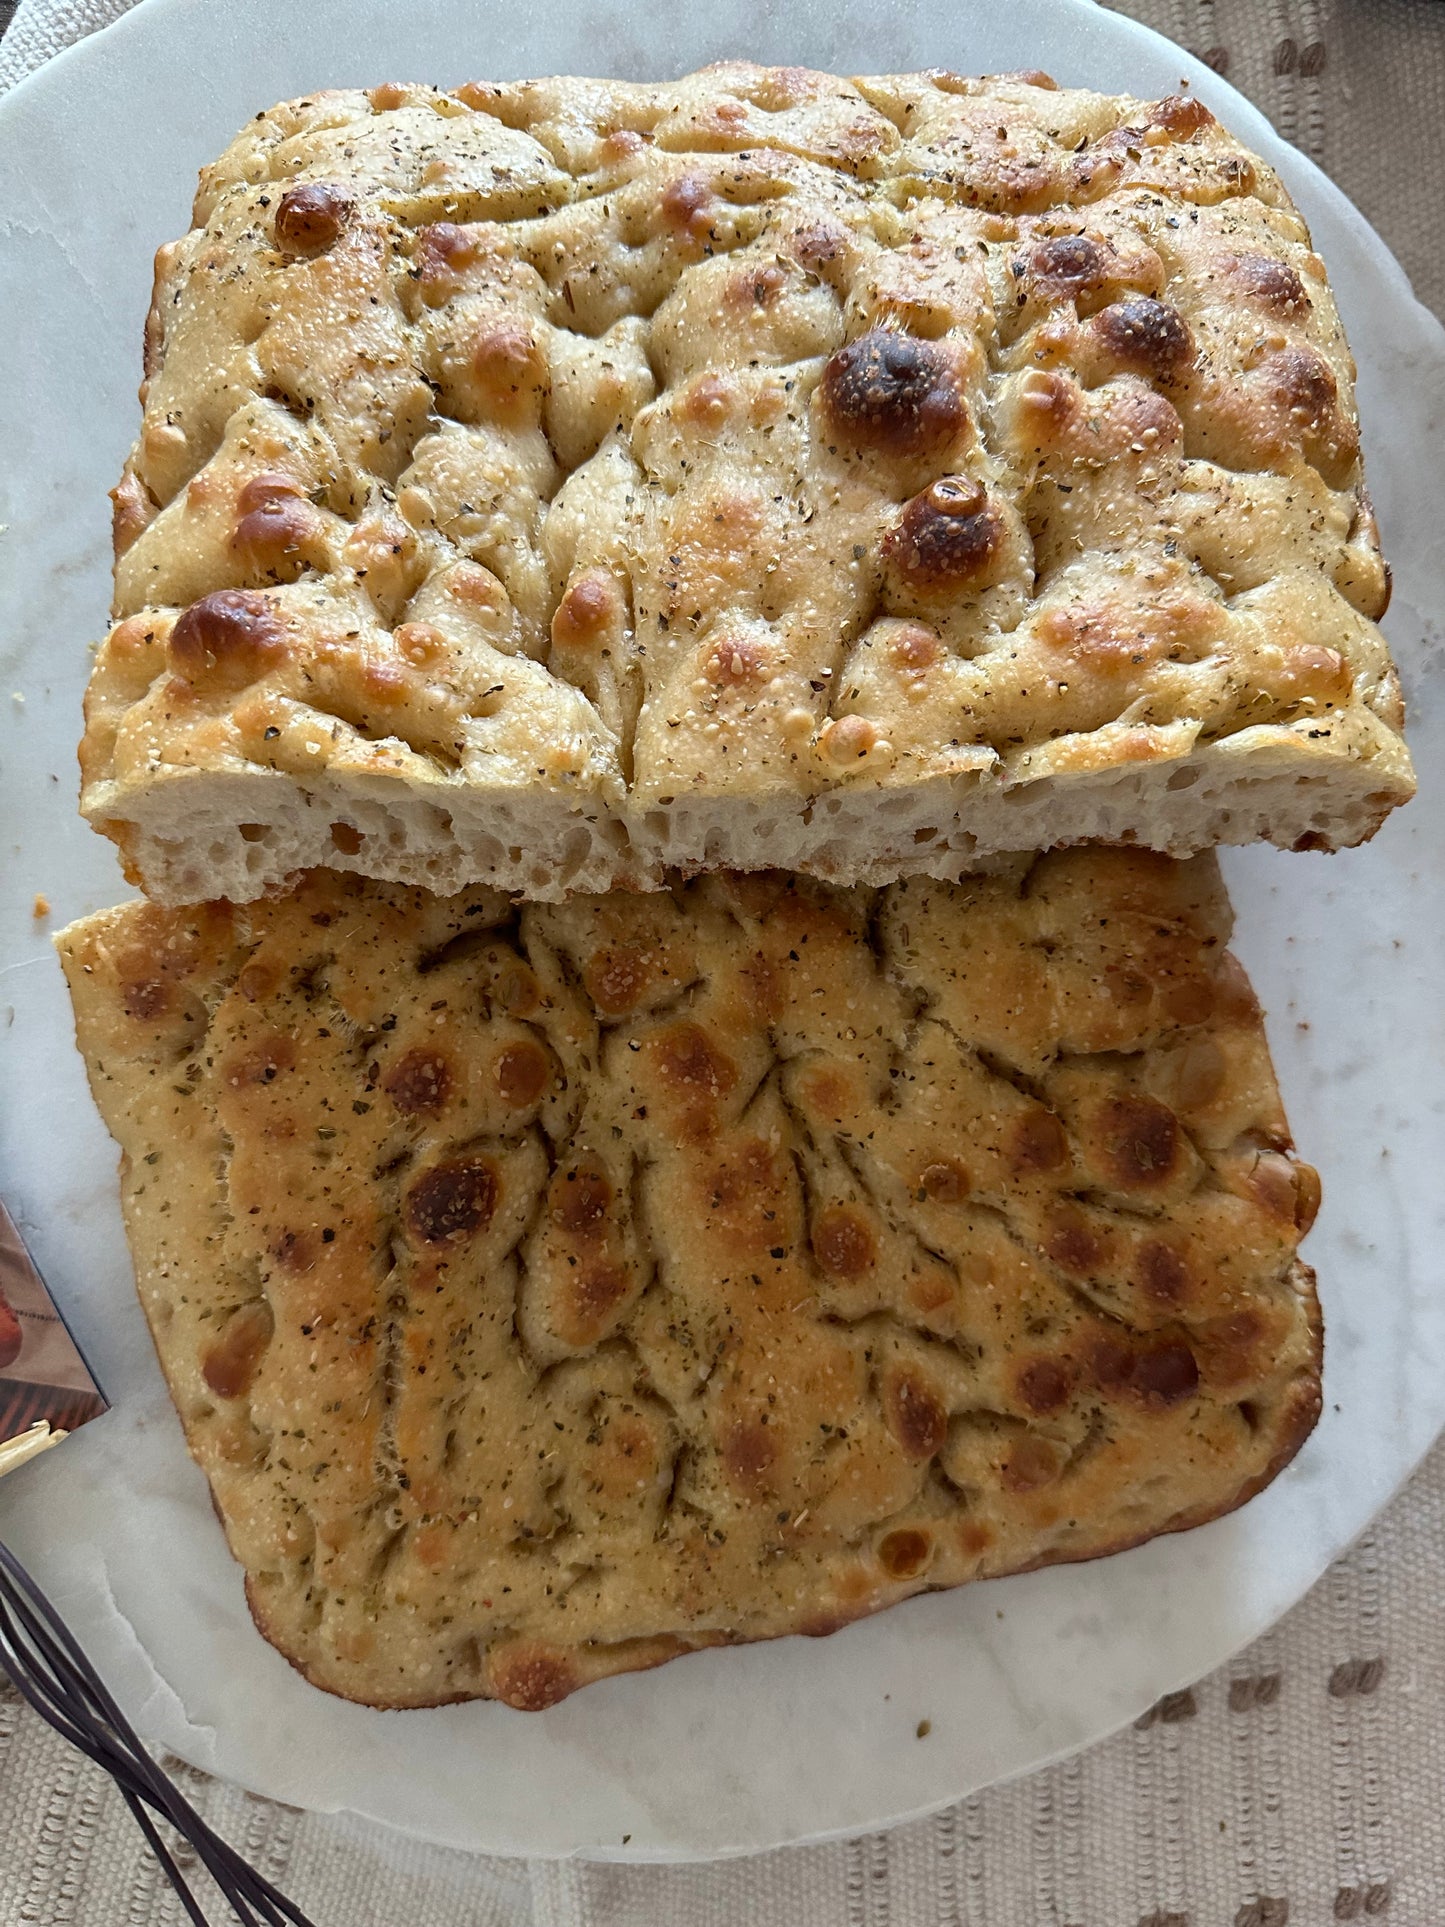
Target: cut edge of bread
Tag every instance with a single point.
(189, 835)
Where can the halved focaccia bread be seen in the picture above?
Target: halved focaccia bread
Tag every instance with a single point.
(547, 483)
(548, 1292)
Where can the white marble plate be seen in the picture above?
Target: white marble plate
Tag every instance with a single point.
(733, 1750)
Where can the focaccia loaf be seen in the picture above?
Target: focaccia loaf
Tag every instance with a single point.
(550, 1291)
(547, 483)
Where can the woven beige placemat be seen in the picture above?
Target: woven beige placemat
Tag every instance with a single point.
(1302, 1784)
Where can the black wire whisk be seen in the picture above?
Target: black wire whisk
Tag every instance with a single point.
(49, 1670)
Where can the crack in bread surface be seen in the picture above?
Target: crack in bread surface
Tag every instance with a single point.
(674, 458)
(548, 1290)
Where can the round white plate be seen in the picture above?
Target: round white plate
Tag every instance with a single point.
(745, 1749)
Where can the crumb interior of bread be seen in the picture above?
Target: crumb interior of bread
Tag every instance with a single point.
(241, 836)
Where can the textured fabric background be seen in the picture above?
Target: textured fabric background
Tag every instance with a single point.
(1301, 1784)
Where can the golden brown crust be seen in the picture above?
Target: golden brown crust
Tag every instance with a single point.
(546, 1292)
(597, 386)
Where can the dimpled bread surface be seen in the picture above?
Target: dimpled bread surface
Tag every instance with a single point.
(549, 483)
(549, 1290)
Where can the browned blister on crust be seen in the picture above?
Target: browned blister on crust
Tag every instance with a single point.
(548, 1291)
(593, 443)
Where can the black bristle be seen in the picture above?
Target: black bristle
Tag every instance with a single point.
(48, 1669)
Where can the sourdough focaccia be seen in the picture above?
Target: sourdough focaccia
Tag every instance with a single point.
(546, 483)
(548, 1292)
